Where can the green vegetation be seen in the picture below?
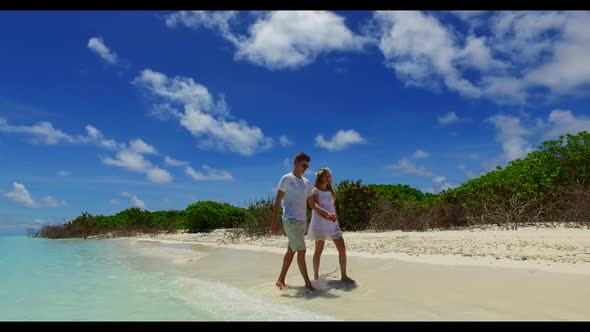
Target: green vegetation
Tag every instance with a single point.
(549, 186)
(208, 215)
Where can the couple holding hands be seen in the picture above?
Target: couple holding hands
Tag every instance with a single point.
(294, 194)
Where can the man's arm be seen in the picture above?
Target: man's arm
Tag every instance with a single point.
(275, 212)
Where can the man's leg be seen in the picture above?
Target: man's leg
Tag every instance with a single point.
(303, 269)
(287, 259)
(294, 229)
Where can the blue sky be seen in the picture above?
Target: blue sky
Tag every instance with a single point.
(101, 111)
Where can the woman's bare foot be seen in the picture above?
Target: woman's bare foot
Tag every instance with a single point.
(347, 279)
(315, 277)
(280, 285)
(309, 288)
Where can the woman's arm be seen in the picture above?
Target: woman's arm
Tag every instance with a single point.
(315, 205)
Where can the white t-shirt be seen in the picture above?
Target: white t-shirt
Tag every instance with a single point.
(296, 191)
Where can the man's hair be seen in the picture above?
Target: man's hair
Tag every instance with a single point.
(301, 156)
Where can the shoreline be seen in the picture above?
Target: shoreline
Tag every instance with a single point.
(560, 250)
(394, 285)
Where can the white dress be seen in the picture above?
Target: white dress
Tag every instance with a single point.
(321, 228)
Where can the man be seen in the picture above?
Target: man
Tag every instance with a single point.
(293, 193)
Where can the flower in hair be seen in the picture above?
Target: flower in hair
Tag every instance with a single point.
(322, 170)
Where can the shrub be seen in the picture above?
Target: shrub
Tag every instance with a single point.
(208, 215)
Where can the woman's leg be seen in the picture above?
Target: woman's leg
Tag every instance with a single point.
(342, 258)
(319, 248)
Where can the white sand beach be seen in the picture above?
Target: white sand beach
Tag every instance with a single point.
(525, 274)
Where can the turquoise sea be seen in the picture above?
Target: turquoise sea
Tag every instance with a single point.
(100, 280)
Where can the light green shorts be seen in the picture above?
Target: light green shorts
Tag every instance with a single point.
(295, 230)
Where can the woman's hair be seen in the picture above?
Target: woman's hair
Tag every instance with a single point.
(318, 176)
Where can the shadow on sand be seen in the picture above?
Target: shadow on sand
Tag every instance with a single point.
(323, 288)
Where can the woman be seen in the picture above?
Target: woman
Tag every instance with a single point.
(324, 223)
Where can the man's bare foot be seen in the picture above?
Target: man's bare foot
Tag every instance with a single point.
(309, 288)
(347, 279)
(280, 285)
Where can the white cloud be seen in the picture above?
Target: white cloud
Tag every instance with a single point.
(512, 131)
(43, 132)
(340, 141)
(164, 112)
(511, 135)
(173, 162)
(202, 117)
(421, 51)
(505, 90)
(198, 18)
(195, 19)
(439, 184)
(549, 47)
(158, 175)
(138, 203)
(209, 173)
(279, 39)
(139, 146)
(563, 122)
(95, 136)
(292, 39)
(134, 161)
(129, 156)
(93, 132)
(448, 118)
(284, 140)
(130, 160)
(63, 173)
(115, 201)
(568, 70)
(468, 15)
(476, 54)
(221, 107)
(51, 201)
(521, 36)
(468, 174)
(109, 144)
(404, 165)
(221, 135)
(97, 45)
(287, 164)
(21, 195)
(419, 154)
(177, 89)
(507, 62)
(439, 179)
